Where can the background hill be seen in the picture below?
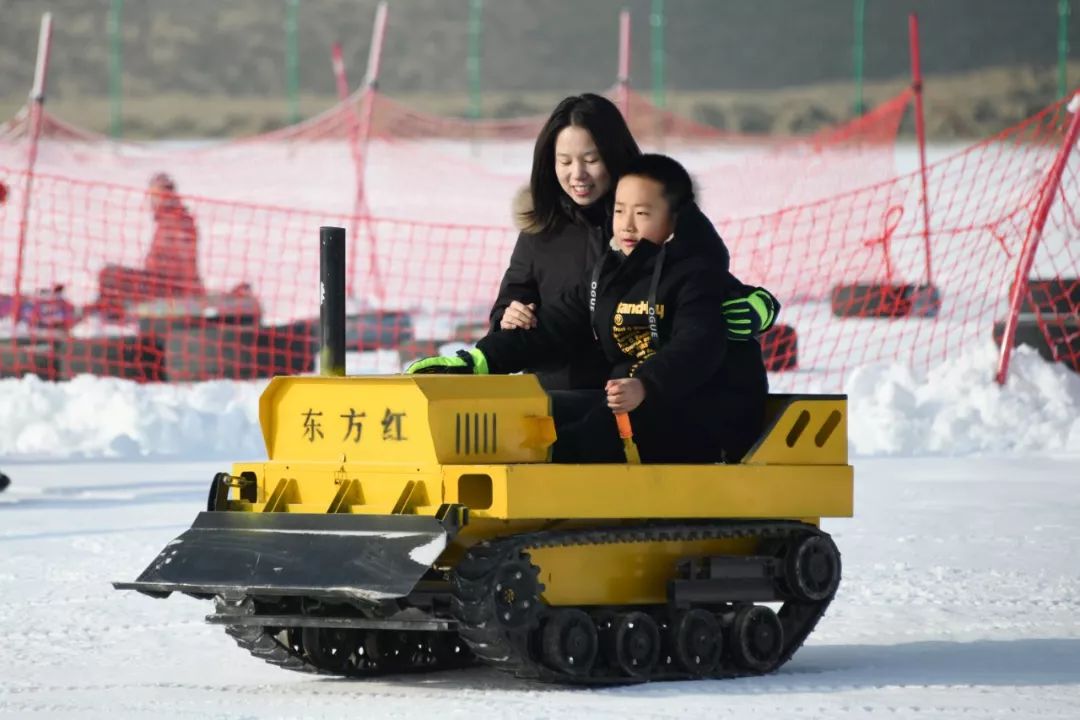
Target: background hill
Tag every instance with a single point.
(205, 67)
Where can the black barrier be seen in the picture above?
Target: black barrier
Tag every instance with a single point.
(780, 349)
(210, 352)
(189, 350)
(30, 356)
(1054, 295)
(1055, 336)
(235, 353)
(166, 314)
(137, 358)
(871, 300)
(377, 330)
(282, 352)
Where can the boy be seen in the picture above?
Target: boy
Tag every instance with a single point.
(654, 305)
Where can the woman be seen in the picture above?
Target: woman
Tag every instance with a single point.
(565, 221)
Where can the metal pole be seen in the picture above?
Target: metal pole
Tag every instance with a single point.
(292, 59)
(1031, 244)
(622, 87)
(37, 103)
(920, 132)
(656, 19)
(858, 53)
(332, 301)
(1063, 46)
(116, 67)
(472, 64)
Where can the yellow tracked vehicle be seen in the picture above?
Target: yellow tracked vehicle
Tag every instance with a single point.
(406, 523)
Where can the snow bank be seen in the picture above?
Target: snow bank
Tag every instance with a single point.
(955, 409)
(93, 417)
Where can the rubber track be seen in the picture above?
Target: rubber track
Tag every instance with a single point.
(510, 650)
(268, 647)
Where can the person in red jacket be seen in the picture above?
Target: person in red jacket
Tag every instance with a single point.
(171, 266)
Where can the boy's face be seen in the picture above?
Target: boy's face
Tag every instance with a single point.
(641, 213)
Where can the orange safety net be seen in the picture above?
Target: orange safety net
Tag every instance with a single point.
(423, 271)
(373, 154)
(869, 279)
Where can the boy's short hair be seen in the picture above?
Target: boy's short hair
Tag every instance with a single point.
(672, 176)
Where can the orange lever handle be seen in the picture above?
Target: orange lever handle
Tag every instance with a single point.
(622, 420)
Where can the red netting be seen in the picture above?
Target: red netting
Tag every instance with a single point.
(860, 286)
(256, 311)
(1047, 301)
(417, 283)
(374, 154)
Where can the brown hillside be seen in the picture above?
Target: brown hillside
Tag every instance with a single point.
(205, 67)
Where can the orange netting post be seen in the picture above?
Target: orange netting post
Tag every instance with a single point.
(353, 133)
(371, 86)
(1031, 244)
(920, 132)
(37, 100)
(622, 81)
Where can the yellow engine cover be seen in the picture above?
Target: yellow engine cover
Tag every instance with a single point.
(407, 419)
(409, 444)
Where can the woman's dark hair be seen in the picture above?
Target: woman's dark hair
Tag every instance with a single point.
(672, 176)
(605, 123)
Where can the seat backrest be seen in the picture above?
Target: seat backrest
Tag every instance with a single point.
(802, 430)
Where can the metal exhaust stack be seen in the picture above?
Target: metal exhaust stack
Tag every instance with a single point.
(332, 301)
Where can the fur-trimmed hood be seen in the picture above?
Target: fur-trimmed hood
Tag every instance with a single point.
(521, 210)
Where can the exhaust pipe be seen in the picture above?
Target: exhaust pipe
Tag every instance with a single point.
(332, 301)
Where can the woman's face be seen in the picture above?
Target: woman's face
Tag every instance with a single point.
(579, 167)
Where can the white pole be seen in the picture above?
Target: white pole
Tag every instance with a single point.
(37, 102)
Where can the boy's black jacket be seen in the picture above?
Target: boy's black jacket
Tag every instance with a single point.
(697, 369)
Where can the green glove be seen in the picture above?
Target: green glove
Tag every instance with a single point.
(752, 315)
(466, 362)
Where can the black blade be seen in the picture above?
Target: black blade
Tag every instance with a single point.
(356, 557)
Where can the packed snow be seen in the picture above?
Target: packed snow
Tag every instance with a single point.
(959, 600)
(953, 409)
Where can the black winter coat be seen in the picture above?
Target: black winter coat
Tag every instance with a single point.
(543, 266)
(705, 394)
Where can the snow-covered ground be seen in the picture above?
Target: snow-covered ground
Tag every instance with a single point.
(960, 599)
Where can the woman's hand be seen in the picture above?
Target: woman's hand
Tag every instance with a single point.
(624, 395)
(518, 316)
